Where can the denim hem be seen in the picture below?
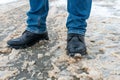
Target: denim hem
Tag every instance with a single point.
(77, 32)
(37, 31)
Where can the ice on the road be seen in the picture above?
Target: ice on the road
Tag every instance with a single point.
(6, 1)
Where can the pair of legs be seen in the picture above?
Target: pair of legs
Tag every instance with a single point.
(79, 11)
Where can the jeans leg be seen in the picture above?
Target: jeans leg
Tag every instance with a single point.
(37, 16)
(79, 11)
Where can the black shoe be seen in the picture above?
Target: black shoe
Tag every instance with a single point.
(27, 39)
(75, 45)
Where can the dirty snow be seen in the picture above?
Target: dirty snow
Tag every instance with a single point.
(47, 60)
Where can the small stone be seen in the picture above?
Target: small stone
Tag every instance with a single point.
(102, 50)
(40, 56)
(31, 63)
(47, 54)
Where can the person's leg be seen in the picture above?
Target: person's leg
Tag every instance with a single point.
(79, 11)
(36, 29)
(37, 16)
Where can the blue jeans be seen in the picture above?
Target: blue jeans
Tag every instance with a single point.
(79, 11)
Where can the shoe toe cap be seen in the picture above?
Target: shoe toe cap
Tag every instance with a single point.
(14, 42)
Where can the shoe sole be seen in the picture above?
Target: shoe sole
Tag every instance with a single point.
(77, 54)
(27, 45)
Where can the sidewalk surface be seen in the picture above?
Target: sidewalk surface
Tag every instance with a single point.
(47, 60)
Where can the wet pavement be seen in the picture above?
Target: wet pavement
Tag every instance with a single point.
(47, 60)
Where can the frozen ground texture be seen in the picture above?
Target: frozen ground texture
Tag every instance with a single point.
(6, 1)
(47, 60)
